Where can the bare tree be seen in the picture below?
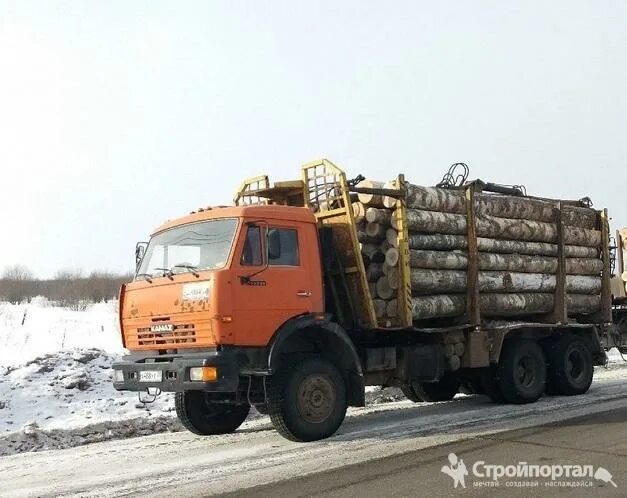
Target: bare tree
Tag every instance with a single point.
(18, 284)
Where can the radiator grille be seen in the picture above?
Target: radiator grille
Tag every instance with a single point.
(181, 334)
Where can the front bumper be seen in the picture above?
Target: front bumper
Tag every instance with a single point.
(175, 372)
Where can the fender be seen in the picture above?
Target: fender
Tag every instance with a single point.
(348, 354)
(293, 325)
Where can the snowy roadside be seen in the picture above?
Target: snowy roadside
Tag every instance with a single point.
(66, 399)
(55, 380)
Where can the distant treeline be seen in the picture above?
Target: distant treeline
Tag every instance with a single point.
(68, 288)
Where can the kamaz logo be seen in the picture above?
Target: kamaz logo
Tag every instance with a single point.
(162, 327)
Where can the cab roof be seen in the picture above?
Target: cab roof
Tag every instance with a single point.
(271, 212)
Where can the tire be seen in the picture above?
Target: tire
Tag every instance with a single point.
(202, 417)
(571, 367)
(444, 389)
(491, 386)
(522, 371)
(261, 408)
(472, 385)
(307, 400)
(410, 393)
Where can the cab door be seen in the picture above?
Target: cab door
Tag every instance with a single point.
(278, 277)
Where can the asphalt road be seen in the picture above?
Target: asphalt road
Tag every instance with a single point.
(598, 439)
(390, 449)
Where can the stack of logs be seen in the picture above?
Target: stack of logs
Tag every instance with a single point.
(517, 242)
(377, 238)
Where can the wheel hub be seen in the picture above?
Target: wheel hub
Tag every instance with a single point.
(575, 365)
(316, 398)
(525, 372)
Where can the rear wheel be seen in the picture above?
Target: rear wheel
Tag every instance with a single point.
(570, 366)
(410, 393)
(307, 400)
(444, 389)
(522, 371)
(204, 417)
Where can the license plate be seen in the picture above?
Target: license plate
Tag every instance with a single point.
(150, 376)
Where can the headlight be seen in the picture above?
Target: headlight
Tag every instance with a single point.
(118, 376)
(203, 374)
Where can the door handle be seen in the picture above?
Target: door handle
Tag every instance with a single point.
(304, 293)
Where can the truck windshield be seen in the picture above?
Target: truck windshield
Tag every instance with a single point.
(194, 247)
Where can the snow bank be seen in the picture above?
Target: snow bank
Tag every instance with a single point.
(55, 380)
(31, 330)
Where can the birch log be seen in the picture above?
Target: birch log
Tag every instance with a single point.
(384, 291)
(359, 212)
(442, 242)
(373, 253)
(498, 228)
(452, 281)
(376, 230)
(390, 202)
(500, 305)
(370, 199)
(380, 307)
(503, 206)
(391, 236)
(393, 278)
(458, 260)
(374, 272)
(381, 216)
(391, 309)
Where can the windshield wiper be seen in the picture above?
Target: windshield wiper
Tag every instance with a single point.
(166, 272)
(147, 277)
(193, 269)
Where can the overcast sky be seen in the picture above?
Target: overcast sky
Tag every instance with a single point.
(115, 116)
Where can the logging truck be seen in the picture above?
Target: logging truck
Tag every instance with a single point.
(304, 292)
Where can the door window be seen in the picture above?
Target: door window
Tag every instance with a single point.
(251, 255)
(283, 247)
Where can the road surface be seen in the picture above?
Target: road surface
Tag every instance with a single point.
(181, 464)
(598, 439)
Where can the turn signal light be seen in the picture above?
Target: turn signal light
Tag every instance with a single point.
(203, 374)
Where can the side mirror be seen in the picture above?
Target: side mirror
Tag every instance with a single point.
(274, 244)
(140, 252)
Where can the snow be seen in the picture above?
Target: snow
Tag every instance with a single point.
(55, 379)
(31, 330)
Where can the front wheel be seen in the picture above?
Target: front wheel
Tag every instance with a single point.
(307, 400)
(203, 417)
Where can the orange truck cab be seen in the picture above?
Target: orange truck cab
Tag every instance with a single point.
(217, 299)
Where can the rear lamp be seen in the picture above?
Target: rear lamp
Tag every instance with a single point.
(118, 375)
(203, 374)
